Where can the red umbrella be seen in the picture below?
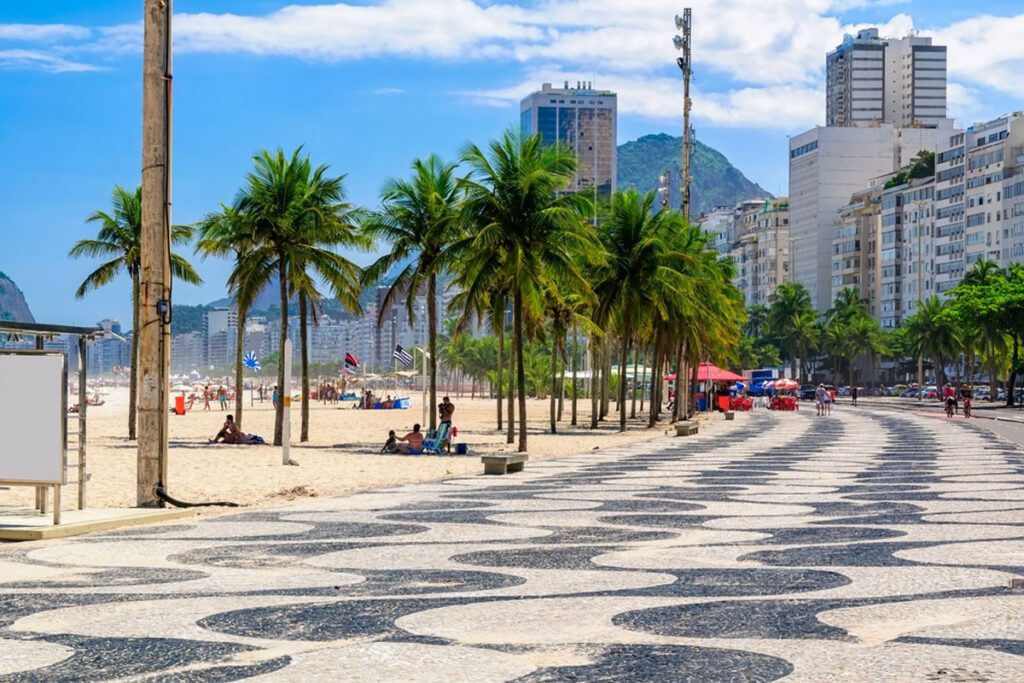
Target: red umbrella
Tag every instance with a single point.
(785, 384)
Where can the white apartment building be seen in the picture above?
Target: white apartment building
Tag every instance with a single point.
(761, 247)
(872, 80)
(719, 226)
(827, 165)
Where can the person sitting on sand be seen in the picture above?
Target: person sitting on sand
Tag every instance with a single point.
(387, 403)
(229, 433)
(391, 445)
(414, 442)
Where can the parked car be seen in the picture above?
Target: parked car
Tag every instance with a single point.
(807, 392)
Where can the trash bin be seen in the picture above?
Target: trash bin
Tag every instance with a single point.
(461, 448)
(723, 403)
(702, 404)
(179, 405)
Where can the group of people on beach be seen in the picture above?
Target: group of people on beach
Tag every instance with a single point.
(412, 443)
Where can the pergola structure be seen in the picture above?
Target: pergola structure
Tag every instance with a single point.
(42, 333)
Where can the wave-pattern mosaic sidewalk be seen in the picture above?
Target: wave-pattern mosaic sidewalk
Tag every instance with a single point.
(861, 546)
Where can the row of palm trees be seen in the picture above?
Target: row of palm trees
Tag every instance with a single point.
(506, 234)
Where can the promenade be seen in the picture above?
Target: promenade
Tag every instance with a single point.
(866, 546)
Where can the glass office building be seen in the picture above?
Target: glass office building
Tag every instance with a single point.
(583, 118)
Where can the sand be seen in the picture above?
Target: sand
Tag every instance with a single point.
(341, 456)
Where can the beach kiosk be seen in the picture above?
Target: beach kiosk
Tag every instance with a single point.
(34, 412)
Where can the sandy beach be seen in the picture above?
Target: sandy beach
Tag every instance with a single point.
(342, 455)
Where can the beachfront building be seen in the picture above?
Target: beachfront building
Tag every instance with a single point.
(872, 80)
(760, 249)
(586, 120)
(855, 241)
(720, 226)
(108, 353)
(827, 166)
(188, 352)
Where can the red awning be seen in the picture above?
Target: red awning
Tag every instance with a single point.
(707, 372)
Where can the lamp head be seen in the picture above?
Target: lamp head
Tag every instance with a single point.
(679, 22)
(678, 42)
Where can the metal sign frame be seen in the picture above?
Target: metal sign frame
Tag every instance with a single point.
(42, 485)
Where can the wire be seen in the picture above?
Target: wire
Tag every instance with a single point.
(164, 496)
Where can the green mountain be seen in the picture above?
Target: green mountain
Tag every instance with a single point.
(716, 182)
(12, 302)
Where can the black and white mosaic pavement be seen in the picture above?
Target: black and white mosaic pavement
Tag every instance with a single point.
(864, 546)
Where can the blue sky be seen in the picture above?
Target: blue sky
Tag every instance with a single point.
(369, 85)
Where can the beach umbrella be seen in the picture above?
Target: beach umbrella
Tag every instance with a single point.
(785, 384)
(181, 387)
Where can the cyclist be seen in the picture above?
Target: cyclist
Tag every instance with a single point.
(966, 395)
(950, 397)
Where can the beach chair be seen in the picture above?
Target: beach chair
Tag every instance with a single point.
(437, 443)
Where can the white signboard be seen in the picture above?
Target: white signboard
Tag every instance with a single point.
(32, 418)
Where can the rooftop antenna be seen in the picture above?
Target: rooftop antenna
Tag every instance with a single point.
(682, 43)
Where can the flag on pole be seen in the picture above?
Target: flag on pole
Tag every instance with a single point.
(402, 356)
(250, 361)
(345, 372)
(351, 361)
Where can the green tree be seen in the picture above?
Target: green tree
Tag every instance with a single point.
(930, 335)
(298, 217)
(791, 319)
(119, 240)
(527, 229)
(419, 217)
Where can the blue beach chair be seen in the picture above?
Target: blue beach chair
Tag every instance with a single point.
(437, 443)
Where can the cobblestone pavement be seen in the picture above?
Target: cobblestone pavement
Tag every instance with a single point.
(864, 546)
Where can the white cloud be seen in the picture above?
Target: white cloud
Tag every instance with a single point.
(388, 91)
(42, 61)
(42, 32)
(756, 62)
(660, 98)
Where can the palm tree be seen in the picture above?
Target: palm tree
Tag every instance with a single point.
(297, 218)
(930, 335)
(527, 229)
(788, 307)
(757, 321)
(419, 217)
(220, 234)
(119, 239)
(643, 272)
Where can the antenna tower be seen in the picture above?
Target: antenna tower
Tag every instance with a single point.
(682, 42)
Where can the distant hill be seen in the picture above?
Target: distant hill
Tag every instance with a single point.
(716, 182)
(12, 302)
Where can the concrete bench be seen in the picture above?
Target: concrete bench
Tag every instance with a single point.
(504, 464)
(730, 415)
(686, 428)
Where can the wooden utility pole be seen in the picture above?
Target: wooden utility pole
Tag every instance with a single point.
(154, 328)
(682, 43)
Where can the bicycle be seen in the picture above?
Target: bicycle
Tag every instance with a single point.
(950, 407)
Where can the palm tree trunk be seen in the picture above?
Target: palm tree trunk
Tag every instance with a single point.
(501, 357)
(792, 365)
(517, 322)
(636, 373)
(643, 380)
(282, 390)
(553, 407)
(133, 391)
(677, 407)
(606, 378)
(623, 357)
(432, 344)
(561, 384)
(510, 437)
(239, 368)
(575, 352)
(595, 377)
(652, 417)
(304, 361)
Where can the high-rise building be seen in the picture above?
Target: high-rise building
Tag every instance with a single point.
(583, 118)
(826, 167)
(872, 80)
(761, 247)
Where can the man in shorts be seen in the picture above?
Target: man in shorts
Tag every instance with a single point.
(819, 399)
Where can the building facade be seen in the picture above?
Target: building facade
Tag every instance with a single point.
(761, 248)
(872, 80)
(586, 120)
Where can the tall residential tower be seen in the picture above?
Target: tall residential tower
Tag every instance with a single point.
(872, 80)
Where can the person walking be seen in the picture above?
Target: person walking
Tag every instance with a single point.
(222, 396)
(819, 399)
(206, 398)
(853, 396)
